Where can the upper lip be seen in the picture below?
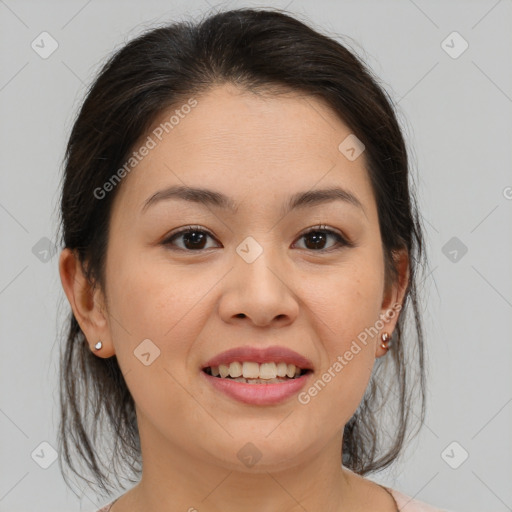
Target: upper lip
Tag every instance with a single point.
(260, 355)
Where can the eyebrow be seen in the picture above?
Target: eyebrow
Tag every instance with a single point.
(210, 197)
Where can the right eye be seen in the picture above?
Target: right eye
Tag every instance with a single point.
(194, 239)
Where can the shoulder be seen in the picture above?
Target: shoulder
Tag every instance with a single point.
(407, 504)
(106, 508)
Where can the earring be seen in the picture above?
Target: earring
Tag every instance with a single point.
(385, 337)
(98, 345)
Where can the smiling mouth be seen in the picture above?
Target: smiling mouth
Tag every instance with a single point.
(253, 376)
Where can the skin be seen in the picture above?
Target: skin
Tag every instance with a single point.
(192, 305)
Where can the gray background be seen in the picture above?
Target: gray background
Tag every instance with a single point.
(456, 113)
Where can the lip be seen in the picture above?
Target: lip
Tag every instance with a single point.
(260, 355)
(258, 394)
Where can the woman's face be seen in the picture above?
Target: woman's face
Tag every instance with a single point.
(248, 277)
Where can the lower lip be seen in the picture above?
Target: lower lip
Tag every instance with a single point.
(258, 394)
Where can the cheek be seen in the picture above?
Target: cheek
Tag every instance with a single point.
(151, 296)
(347, 299)
(150, 302)
(151, 299)
(345, 308)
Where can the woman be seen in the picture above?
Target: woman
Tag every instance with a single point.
(240, 254)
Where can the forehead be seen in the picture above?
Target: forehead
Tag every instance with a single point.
(246, 144)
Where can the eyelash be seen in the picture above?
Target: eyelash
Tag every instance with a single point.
(342, 241)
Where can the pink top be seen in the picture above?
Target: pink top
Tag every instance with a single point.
(407, 504)
(404, 504)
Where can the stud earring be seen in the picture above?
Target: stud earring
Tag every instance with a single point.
(385, 337)
(98, 345)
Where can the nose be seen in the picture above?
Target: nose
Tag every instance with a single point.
(263, 291)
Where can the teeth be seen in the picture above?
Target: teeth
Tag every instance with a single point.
(281, 369)
(235, 369)
(259, 381)
(254, 371)
(250, 370)
(223, 370)
(268, 371)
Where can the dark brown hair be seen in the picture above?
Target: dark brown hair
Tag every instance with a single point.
(264, 50)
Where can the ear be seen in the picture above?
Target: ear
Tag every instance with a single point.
(393, 296)
(87, 303)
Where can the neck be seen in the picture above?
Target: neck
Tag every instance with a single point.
(174, 479)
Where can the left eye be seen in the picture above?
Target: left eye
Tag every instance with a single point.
(318, 235)
(194, 238)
